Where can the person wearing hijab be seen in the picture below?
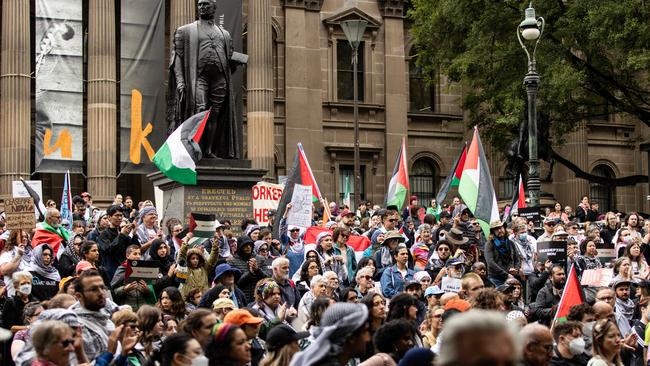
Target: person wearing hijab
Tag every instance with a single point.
(330, 260)
(45, 283)
(253, 232)
(342, 336)
(147, 230)
(161, 252)
(71, 256)
(262, 252)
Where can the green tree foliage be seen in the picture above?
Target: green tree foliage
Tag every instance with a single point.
(593, 58)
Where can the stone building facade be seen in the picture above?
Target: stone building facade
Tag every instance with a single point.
(299, 89)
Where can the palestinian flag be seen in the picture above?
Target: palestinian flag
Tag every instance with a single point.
(203, 225)
(571, 295)
(475, 187)
(358, 242)
(300, 173)
(453, 178)
(178, 156)
(38, 203)
(399, 181)
(518, 198)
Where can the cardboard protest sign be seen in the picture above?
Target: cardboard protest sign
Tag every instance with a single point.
(597, 277)
(19, 214)
(266, 196)
(555, 251)
(300, 213)
(450, 284)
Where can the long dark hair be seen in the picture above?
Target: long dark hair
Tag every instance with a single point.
(399, 305)
(304, 270)
(177, 309)
(175, 343)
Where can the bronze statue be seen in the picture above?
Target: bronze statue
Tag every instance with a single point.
(200, 78)
(517, 150)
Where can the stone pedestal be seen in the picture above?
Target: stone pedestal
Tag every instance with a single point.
(224, 188)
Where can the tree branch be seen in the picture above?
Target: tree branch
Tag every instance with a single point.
(609, 182)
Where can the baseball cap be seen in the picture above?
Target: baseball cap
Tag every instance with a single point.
(241, 317)
(445, 214)
(458, 304)
(453, 262)
(223, 304)
(281, 335)
(346, 212)
(83, 266)
(412, 283)
(433, 290)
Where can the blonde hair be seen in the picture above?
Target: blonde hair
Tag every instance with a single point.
(279, 357)
(47, 333)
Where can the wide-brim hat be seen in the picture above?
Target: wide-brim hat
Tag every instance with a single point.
(455, 237)
(394, 234)
(496, 224)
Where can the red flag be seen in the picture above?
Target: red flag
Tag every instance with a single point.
(571, 295)
(358, 242)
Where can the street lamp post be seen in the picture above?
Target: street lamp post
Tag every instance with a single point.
(531, 29)
(353, 30)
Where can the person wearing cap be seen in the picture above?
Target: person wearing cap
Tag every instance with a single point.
(384, 257)
(545, 305)
(501, 255)
(228, 276)
(221, 307)
(549, 229)
(414, 288)
(282, 344)
(454, 268)
(346, 219)
(251, 326)
(342, 336)
(394, 277)
(432, 295)
(625, 307)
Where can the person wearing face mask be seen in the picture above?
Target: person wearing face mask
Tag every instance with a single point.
(526, 247)
(51, 232)
(570, 346)
(179, 349)
(13, 309)
(545, 305)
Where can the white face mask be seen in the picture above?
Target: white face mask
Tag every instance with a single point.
(25, 289)
(200, 360)
(577, 346)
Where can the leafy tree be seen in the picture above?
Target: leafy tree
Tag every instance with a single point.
(593, 59)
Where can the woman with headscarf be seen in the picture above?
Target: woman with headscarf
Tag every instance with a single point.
(267, 303)
(329, 259)
(45, 283)
(420, 250)
(262, 251)
(147, 230)
(161, 252)
(342, 336)
(253, 232)
(71, 256)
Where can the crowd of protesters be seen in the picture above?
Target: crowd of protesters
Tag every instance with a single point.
(67, 296)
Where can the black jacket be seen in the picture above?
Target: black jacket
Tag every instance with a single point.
(112, 247)
(545, 305)
(498, 263)
(558, 360)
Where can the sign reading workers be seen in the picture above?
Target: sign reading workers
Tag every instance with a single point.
(266, 196)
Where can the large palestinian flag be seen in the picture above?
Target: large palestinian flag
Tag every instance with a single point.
(475, 186)
(571, 295)
(453, 178)
(178, 156)
(300, 173)
(399, 181)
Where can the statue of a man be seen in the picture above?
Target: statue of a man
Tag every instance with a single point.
(200, 79)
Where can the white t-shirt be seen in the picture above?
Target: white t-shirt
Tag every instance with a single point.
(7, 257)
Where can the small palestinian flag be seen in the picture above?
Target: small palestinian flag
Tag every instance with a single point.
(518, 198)
(571, 295)
(453, 179)
(475, 186)
(203, 225)
(300, 173)
(178, 156)
(399, 181)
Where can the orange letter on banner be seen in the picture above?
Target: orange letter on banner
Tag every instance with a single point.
(64, 142)
(138, 135)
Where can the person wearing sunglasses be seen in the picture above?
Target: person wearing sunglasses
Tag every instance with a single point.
(53, 342)
(348, 256)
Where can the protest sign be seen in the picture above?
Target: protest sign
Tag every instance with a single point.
(450, 284)
(266, 196)
(300, 213)
(600, 277)
(19, 213)
(555, 251)
(18, 189)
(137, 270)
(606, 252)
(530, 214)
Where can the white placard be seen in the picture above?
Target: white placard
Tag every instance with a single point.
(300, 213)
(450, 284)
(18, 189)
(266, 196)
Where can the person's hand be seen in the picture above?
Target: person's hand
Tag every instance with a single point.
(130, 287)
(180, 88)
(171, 271)
(458, 253)
(113, 338)
(252, 265)
(292, 312)
(143, 286)
(129, 339)
(629, 341)
(20, 251)
(282, 312)
(126, 230)
(286, 211)
(187, 238)
(78, 340)
(160, 233)
(338, 257)
(513, 271)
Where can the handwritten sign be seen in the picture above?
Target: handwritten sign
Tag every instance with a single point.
(450, 284)
(555, 251)
(597, 277)
(266, 196)
(300, 213)
(20, 213)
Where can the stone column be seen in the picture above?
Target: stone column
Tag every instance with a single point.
(15, 94)
(102, 151)
(395, 71)
(304, 87)
(181, 12)
(579, 153)
(259, 117)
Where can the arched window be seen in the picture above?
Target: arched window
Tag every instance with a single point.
(604, 195)
(421, 95)
(424, 180)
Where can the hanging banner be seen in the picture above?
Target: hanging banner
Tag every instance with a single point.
(59, 137)
(142, 78)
